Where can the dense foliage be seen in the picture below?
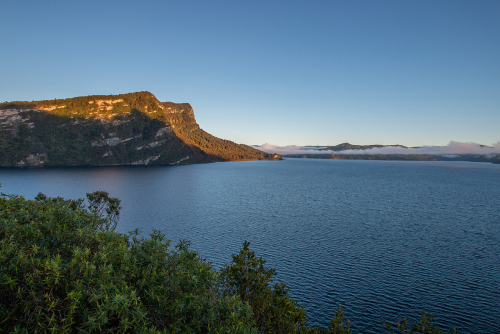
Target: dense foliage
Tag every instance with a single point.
(63, 268)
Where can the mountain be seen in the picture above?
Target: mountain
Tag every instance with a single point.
(126, 129)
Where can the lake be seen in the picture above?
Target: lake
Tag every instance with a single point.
(382, 239)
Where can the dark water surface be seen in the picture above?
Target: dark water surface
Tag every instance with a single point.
(382, 239)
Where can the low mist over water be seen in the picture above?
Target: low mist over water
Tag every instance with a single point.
(382, 239)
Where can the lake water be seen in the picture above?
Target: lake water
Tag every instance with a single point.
(382, 239)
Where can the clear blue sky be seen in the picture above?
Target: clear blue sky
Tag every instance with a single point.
(282, 72)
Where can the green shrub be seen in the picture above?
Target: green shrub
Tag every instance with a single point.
(62, 269)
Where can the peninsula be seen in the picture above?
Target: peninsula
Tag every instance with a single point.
(99, 130)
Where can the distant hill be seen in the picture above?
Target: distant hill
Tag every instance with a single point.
(126, 129)
(347, 146)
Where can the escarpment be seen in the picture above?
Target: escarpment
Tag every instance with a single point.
(126, 129)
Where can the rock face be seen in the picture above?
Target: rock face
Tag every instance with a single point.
(127, 129)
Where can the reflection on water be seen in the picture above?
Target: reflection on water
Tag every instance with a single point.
(384, 240)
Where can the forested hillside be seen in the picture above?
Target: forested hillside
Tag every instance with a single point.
(127, 129)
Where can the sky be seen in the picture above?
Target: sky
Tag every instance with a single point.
(415, 73)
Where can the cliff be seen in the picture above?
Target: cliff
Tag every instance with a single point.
(126, 129)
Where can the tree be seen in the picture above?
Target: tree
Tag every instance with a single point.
(273, 309)
(100, 203)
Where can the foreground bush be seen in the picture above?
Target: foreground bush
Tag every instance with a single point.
(63, 269)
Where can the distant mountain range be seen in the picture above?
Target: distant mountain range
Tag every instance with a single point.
(126, 129)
